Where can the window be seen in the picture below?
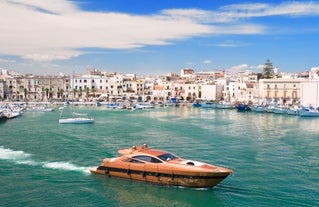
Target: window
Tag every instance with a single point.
(167, 157)
(147, 159)
(136, 161)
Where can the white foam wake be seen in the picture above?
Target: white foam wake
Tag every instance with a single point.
(8, 154)
(20, 157)
(66, 166)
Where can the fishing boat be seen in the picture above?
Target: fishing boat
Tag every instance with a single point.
(161, 167)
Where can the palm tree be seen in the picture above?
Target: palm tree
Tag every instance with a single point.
(25, 93)
(87, 92)
(61, 91)
(47, 93)
(80, 92)
(18, 95)
(93, 91)
(74, 93)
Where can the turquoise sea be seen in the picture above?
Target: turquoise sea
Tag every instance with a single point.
(275, 158)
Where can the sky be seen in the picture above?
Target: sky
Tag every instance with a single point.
(152, 37)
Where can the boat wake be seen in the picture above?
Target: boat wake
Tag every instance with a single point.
(21, 157)
(66, 166)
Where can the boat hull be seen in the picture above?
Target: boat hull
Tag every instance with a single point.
(164, 178)
(76, 121)
(164, 174)
(309, 114)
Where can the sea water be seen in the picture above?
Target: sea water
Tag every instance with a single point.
(275, 158)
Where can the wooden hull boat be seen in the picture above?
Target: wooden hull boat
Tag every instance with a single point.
(161, 167)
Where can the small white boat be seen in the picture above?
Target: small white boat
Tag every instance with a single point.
(226, 105)
(76, 118)
(10, 114)
(208, 104)
(137, 107)
(40, 109)
(280, 110)
(11, 111)
(293, 111)
(259, 109)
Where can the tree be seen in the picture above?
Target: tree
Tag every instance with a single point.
(74, 93)
(47, 93)
(61, 91)
(25, 93)
(18, 95)
(87, 92)
(268, 70)
(80, 92)
(93, 91)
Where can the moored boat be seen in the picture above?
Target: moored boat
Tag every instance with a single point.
(243, 107)
(208, 104)
(280, 110)
(40, 109)
(309, 112)
(197, 104)
(259, 109)
(161, 167)
(293, 111)
(226, 105)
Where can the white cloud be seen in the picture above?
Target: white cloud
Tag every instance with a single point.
(207, 62)
(43, 31)
(3, 60)
(249, 10)
(189, 63)
(258, 68)
(239, 67)
(33, 30)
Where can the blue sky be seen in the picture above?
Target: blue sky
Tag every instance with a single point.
(151, 37)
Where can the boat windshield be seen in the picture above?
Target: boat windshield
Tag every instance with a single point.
(167, 157)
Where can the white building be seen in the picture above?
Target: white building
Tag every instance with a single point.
(211, 92)
(310, 94)
(310, 90)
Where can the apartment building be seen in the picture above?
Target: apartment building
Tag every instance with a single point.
(36, 88)
(281, 91)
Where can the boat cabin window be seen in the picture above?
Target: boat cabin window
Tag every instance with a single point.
(167, 157)
(136, 161)
(147, 158)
